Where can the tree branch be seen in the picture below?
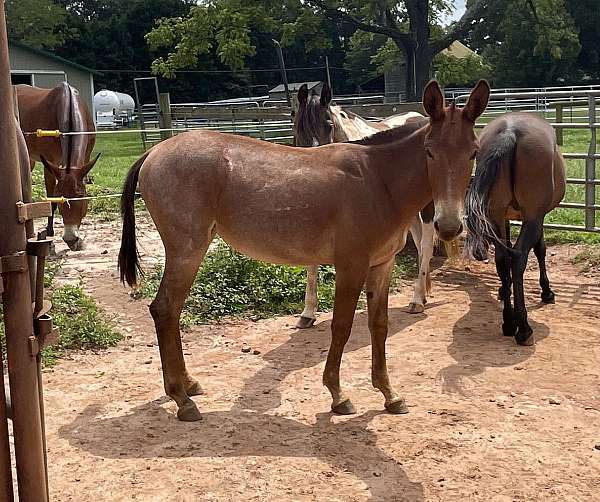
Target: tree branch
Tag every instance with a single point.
(461, 28)
(390, 30)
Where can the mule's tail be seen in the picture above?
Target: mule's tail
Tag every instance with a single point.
(129, 258)
(498, 155)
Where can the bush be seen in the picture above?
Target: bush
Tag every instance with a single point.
(231, 284)
(81, 323)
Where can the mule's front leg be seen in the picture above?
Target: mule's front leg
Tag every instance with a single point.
(308, 316)
(378, 284)
(348, 284)
(50, 182)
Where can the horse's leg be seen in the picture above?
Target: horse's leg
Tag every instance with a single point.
(180, 271)
(348, 284)
(423, 281)
(530, 234)
(50, 182)
(540, 252)
(378, 286)
(308, 316)
(503, 266)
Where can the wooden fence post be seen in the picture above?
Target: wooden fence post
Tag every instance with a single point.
(166, 119)
(559, 120)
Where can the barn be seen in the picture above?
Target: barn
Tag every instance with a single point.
(43, 69)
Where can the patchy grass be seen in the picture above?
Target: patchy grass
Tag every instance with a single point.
(81, 323)
(588, 260)
(229, 284)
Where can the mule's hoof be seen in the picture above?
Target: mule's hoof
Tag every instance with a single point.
(415, 308)
(344, 408)
(397, 407)
(189, 412)
(548, 297)
(525, 337)
(305, 322)
(509, 329)
(194, 389)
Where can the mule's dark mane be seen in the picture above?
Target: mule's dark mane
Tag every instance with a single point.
(394, 134)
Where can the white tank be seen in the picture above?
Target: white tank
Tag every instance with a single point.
(112, 108)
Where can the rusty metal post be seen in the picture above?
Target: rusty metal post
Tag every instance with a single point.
(6, 485)
(18, 315)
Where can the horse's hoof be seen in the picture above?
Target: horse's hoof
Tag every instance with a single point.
(415, 308)
(397, 407)
(305, 322)
(548, 297)
(525, 337)
(509, 329)
(344, 408)
(194, 389)
(189, 412)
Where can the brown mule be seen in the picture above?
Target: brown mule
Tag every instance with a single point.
(520, 175)
(66, 160)
(349, 205)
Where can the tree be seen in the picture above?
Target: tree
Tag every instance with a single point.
(453, 71)
(225, 25)
(586, 15)
(37, 23)
(529, 43)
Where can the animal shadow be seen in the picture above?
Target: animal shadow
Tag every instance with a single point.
(477, 340)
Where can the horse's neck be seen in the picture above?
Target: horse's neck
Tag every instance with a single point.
(403, 168)
(352, 128)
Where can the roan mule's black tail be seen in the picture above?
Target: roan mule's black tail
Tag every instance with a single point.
(129, 258)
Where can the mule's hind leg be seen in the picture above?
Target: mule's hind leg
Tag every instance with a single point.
(308, 316)
(180, 271)
(540, 252)
(348, 283)
(531, 232)
(378, 285)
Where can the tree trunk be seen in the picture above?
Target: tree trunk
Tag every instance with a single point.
(419, 63)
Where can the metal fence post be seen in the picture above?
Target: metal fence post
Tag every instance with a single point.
(590, 168)
(18, 314)
(166, 120)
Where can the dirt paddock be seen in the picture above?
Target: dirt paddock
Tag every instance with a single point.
(488, 420)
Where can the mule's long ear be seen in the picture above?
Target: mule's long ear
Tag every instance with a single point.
(326, 95)
(478, 101)
(433, 100)
(50, 167)
(88, 167)
(303, 94)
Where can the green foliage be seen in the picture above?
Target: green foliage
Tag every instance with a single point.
(230, 284)
(452, 71)
(81, 323)
(38, 23)
(528, 43)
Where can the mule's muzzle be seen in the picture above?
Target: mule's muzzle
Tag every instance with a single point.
(448, 229)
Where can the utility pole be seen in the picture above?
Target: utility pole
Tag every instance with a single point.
(283, 72)
(328, 74)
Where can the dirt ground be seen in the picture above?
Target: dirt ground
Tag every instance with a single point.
(489, 420)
